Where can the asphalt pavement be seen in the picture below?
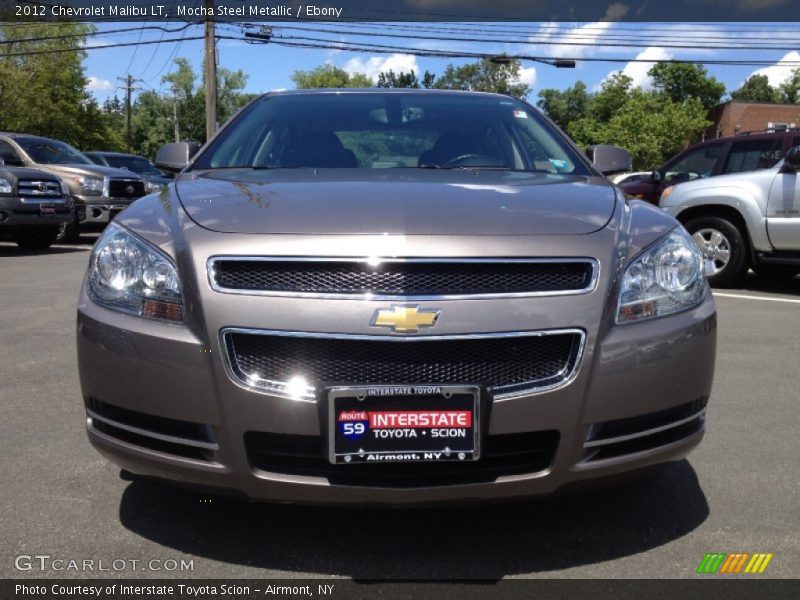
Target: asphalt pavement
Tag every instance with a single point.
(738, 492)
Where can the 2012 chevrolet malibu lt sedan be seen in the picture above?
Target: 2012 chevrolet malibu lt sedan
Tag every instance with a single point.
(393, 297)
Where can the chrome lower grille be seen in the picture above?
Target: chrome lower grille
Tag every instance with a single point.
(167, 436)
(406, 278)
(299, 365)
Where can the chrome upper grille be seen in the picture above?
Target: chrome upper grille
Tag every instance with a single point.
(299, 365)
(30, 188)
(401, 278)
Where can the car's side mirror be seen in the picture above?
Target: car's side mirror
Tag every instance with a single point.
(609, 159)
(174, 157)
(656, 177)
(791, 162)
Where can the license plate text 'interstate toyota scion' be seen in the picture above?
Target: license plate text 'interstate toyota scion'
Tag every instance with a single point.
(414, 423)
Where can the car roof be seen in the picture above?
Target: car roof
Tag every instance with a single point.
(748, 135)
(106, 153)
(381, 91)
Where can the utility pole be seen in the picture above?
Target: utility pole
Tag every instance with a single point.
(129, 89)
(210, 72)
(175, 123)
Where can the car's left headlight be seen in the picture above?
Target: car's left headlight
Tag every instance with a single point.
(129, 275)
(151, 187)
(5, 186)
(664, 279)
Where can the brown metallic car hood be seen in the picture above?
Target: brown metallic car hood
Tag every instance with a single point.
(411, 202)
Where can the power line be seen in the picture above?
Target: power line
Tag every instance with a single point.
(531, 41)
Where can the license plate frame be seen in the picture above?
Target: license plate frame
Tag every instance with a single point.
(430, 403)
(47, 210)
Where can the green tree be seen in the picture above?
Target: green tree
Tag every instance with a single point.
(681, 81)
(650, 125)
(564, 107)
(43, 85)
(390, 79)
(501, 77)
(330, 76)
(789, 90)
(756, 89)
(614, 93)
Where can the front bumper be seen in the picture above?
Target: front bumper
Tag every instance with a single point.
(100, 210)
(637, 399)
(26, 212)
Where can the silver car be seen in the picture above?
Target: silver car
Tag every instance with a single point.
(393, 297)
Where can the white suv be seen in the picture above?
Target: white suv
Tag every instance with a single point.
(744, 220)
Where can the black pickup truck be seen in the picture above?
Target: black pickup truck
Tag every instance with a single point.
(33, 206)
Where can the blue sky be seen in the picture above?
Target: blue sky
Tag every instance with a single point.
(269, 67)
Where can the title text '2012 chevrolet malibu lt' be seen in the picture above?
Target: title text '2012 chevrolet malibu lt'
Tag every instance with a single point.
(393, 297)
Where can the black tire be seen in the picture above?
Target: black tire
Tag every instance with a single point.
(70, 232)
(40, 238)
(777, 271)
(729, 272)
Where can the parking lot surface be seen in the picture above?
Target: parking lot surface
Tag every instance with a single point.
(738, 492)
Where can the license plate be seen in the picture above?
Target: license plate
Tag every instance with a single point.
(413, 423)
(47, 209)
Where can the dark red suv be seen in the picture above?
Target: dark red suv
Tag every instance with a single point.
(744, 152)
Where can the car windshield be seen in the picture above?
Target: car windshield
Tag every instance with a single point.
(137, 164)
(391, 130)
(52, 152)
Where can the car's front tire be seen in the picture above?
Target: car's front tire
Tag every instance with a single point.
(40, 238)
(724, 249)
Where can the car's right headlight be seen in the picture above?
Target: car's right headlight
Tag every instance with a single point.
(5, 186)
(91, 186)
(664, 279)
(129, 275)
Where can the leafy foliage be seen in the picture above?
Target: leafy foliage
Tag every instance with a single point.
(500, 77)
(45, 93)
(330, 76)
(756, 89)
(789, 90)
(682, 81)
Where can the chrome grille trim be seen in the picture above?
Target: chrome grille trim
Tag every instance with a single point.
(281, 388)
(212, 280)
(39, 188)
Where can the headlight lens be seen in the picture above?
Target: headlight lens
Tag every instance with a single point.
(5, 186)
(666, 278)
(152, 187)
(92, 186)
(131, 276)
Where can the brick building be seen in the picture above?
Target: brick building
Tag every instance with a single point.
(731, 118)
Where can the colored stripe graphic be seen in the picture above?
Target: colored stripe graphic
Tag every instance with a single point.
(711, 562)
(735, 562)
(758, 563)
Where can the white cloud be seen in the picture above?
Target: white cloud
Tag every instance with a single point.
(638, 70)
(527, 75)
(374, 65)
(779, 72)
(98, 85)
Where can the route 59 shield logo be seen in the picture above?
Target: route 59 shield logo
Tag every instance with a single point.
(353, 423)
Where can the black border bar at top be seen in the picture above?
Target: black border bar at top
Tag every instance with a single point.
(683, 11)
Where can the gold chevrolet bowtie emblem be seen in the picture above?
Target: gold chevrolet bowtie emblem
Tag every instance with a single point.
(405, 319)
